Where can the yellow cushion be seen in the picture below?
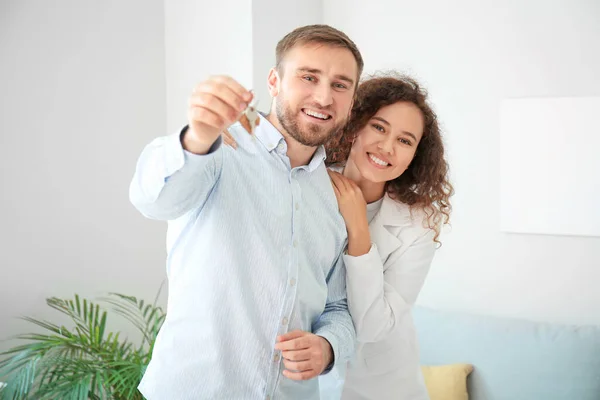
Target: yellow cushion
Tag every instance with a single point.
(447, 382)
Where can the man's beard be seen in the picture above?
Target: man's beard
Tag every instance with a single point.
(313, 135)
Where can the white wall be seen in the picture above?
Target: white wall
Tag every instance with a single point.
(200, 42)
(270, 23)
(471, 54)
(82, 90)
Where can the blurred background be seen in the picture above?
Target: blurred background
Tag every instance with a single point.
(84, 85)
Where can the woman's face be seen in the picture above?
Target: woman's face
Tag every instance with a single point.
(385, 147)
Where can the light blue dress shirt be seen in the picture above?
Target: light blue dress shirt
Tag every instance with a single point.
(254, 250)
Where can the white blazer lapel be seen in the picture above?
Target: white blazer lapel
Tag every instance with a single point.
(384, 227)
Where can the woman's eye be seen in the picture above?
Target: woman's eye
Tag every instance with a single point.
(378, 127)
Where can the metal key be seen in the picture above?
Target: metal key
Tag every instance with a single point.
(250, 118)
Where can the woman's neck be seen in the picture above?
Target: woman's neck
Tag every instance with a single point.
(372, 191)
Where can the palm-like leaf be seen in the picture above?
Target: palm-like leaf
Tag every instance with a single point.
(83, 361)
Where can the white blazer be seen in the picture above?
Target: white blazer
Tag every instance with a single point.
(382, 287)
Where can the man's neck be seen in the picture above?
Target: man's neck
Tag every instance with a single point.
(298, 153)
(372, 191)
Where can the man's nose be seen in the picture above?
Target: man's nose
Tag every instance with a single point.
(323, 95)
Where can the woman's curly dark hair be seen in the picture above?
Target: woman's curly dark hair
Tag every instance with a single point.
(425, 183)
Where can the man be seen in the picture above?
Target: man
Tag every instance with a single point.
(257, 298)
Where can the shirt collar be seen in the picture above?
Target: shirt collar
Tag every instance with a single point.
(317, 159)
(270, 137)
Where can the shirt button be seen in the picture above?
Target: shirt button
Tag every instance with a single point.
(280, 147)
(297, 206)
(295, 243)
(276, 357)
(292, 282)
(268, 398)
(284, 321)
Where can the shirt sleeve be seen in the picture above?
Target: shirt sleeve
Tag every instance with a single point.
(379, 298)
(335, 324)
(169, 181)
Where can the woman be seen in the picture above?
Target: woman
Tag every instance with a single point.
(391, 181)
(390, 178)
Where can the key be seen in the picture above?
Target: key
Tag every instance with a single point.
(250, 118)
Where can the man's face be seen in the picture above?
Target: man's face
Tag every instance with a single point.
(313, 91)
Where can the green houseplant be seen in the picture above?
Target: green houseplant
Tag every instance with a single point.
(83, 361)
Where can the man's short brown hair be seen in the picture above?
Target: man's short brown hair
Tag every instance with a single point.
(323, 34)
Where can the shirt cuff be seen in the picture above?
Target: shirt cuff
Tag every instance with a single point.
(334, 349)
(166, 156)
(176, 146)
(176, 156)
